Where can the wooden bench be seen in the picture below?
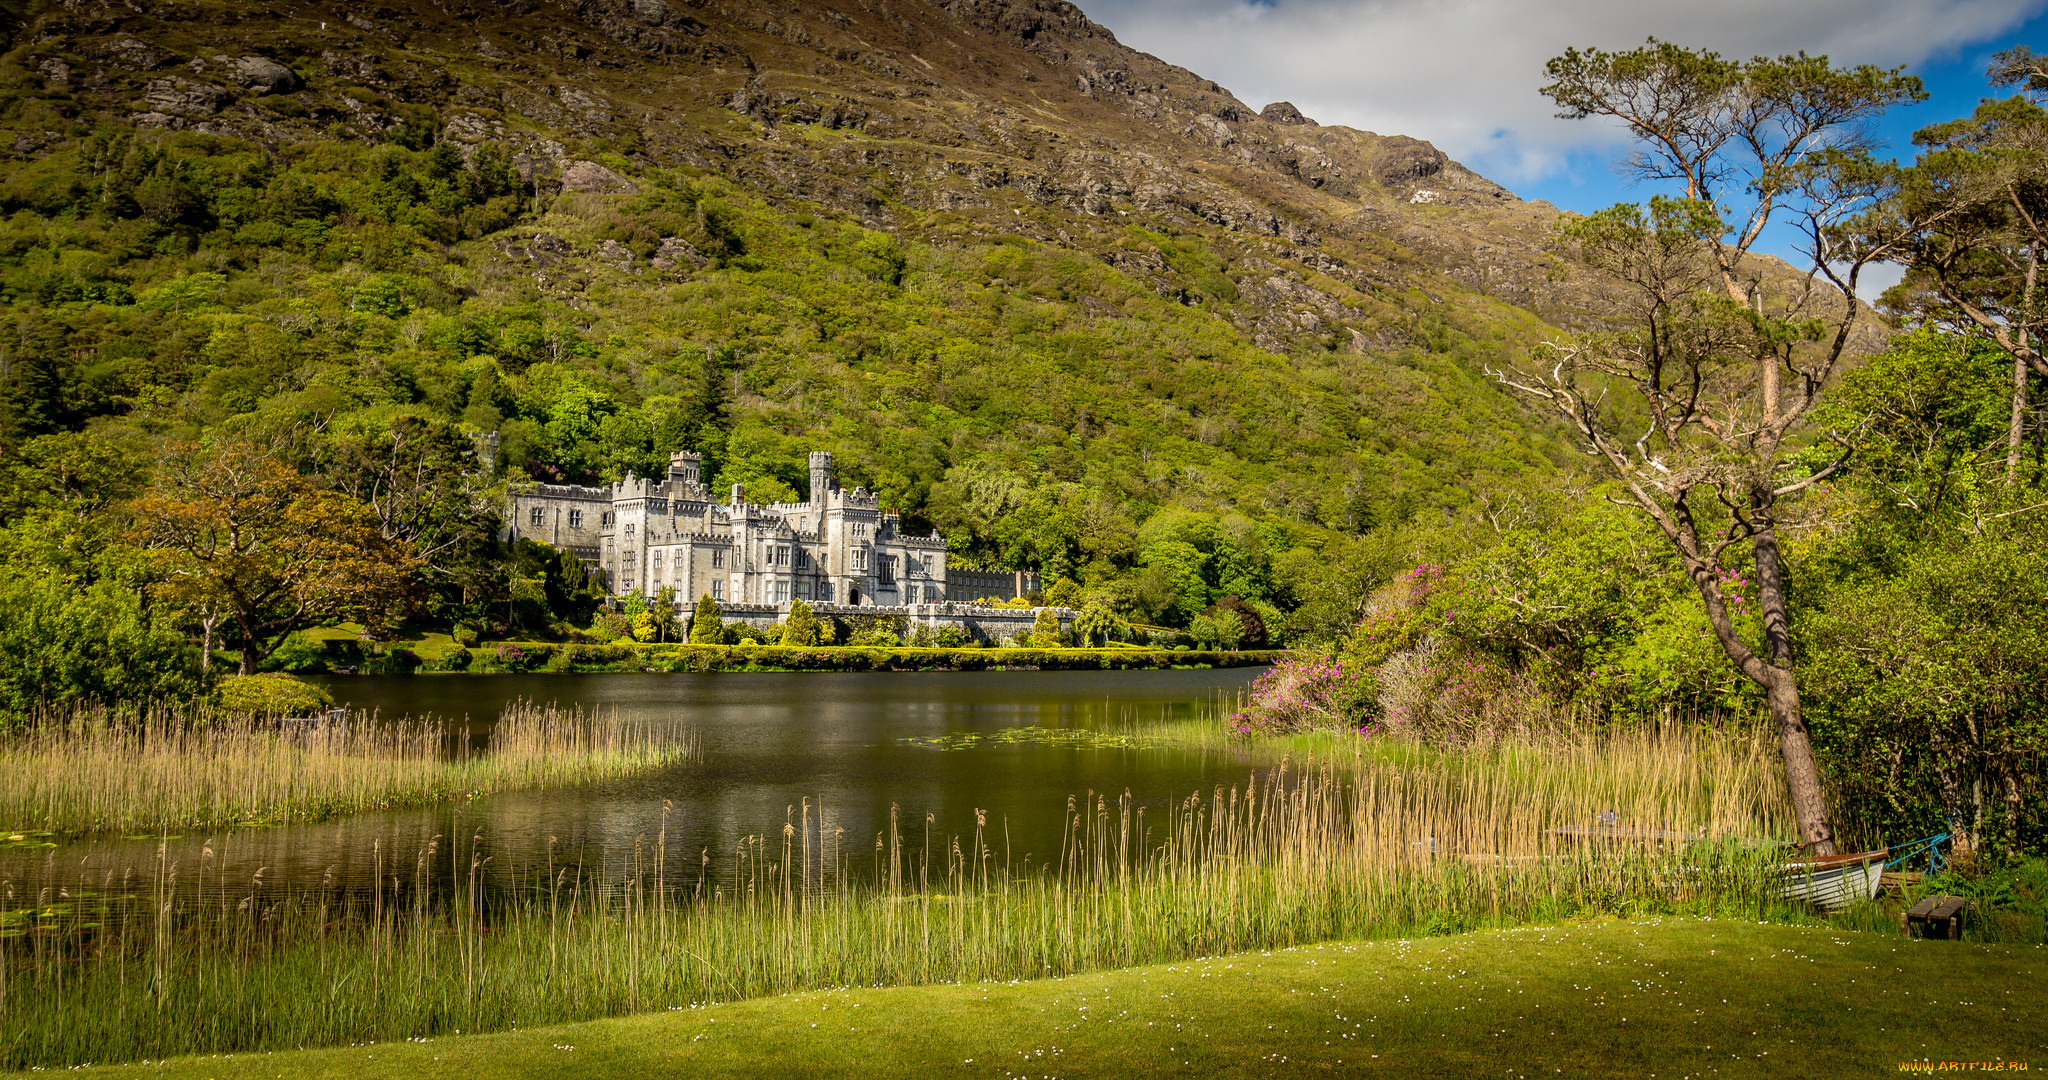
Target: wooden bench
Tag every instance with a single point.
(1937, 917)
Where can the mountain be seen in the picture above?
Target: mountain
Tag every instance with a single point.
(1070, 303)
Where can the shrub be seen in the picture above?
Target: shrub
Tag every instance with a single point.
(465, 635)
(299, 655)
(1307, 694)
(272, 694)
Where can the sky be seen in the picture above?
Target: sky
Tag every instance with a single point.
(1464, 74)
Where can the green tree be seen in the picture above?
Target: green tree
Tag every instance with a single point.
(1098, 624)
(1974, 210)
(802, 627)
(62, 646)
(663, 614)
(706, 625)
(1045, 630)
(1725, 364)
(1217, 628)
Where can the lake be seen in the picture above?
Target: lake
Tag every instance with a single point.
(936, 746)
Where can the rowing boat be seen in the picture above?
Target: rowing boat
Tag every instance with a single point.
(1834, 882)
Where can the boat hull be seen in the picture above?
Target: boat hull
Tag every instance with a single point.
(1835, 881)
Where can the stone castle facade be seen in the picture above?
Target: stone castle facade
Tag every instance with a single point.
(840, 550)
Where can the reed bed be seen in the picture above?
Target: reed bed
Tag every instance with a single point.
(1349, 846)
(195, 771)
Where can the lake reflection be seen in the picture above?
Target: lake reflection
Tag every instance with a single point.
(768, 742)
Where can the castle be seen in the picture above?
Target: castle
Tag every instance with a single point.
(837, 551)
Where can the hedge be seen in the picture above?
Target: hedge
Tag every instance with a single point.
(623, 656)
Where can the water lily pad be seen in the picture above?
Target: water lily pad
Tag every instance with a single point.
(1080, 738)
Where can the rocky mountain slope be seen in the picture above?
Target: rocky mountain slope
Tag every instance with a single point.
(1004, 117)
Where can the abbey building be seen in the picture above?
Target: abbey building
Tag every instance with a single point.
(838, 549)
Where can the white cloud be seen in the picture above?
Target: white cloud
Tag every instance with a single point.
(1464, 73)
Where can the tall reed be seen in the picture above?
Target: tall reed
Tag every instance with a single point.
(1353, 846)
(192, 771)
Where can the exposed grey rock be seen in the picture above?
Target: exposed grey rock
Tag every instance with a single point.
(675, 250)
(128, 54)
(54, 71)
(1400, 161)
(264, 76)
(356, 67)
(1284, 112)
(180, 96)
(589, 176)
(487, 48)
(589, 105)
(615, 253)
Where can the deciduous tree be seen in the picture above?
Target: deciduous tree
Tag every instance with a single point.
(231, 526)
(1725, 357)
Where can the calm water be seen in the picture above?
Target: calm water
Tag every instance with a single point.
(768, 741)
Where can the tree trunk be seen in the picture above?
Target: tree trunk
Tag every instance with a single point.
(207, 622)
(1802, 772)
(1781, 687)
(2016, 434)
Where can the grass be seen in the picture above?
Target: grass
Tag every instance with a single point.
(179, 962)
(170, 772)
(1667, 998)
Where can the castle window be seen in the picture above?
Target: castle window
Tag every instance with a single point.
(782, 592)
(629, 528)
(575, 519)
(718, 558)
(824, 591)
(803, 589)
(925, 561)
(533, 517)
(718, 590)
(860, 558)
(657, 564)
(632, 557)
(803, 559)
(885, 569)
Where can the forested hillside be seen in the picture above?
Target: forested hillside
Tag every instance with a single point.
(1075, 308)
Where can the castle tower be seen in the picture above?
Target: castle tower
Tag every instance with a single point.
(821, 477)
(686, 468)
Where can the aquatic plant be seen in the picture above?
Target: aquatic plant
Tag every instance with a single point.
(1387, 839)
(195, 770)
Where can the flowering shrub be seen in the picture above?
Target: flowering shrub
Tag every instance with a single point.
(1307, 694)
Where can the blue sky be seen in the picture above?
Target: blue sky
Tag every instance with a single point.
(1585, 180)
(1464, 73)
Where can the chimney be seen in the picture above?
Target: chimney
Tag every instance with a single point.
(739, 495)
(821, 477)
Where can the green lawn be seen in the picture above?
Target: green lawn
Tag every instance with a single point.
(1672, 998)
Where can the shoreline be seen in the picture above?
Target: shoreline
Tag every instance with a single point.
(538, 658)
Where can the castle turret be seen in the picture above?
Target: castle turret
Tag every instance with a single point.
(821, 477)
(686, 468)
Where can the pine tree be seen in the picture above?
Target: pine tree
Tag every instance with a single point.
(706, 627)
(801, 628)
